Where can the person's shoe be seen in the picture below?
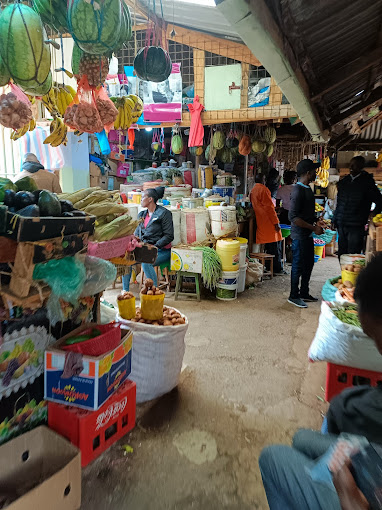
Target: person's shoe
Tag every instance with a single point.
(309, 299)
(297, 302)
(281, 273)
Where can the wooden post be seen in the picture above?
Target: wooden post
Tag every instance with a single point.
(275, 94)
(245, 176)
(199, 66)
(244, 85)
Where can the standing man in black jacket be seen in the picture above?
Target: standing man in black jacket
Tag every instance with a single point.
(356, 193)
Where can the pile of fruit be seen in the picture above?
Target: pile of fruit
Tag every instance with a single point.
(112, 220)
(322, 178)
(149, 289)
(377, 220)
(318, 207)
(129, 108)
(171, 317)
(14, 113)
(356, 267)
(125, 295)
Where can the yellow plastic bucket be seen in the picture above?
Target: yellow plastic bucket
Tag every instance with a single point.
(229, 253)
(348, 276)
(126, 308)
(152, 307)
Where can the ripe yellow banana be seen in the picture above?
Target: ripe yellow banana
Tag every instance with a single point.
(58, 131)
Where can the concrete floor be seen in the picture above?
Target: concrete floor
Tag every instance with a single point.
(246, 383)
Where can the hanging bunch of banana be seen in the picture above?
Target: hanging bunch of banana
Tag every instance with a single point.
(58, 132)
(58, 99)
(130, 108)
(322, 178)
(325, 163)
(29, 126)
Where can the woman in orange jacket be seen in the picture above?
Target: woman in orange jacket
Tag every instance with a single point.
(268, 228)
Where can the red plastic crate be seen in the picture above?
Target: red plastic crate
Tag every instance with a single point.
(108, 340)
(339, 377)
(93, 432)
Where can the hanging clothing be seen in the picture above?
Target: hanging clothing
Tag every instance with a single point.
(196, 137)
(266, 217)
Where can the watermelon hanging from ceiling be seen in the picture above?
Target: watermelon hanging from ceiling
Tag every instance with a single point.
(34, 89)
(95, 26)
(4, 73)
(126, 27)
(23, 47)
(153, 63)
(53, 13)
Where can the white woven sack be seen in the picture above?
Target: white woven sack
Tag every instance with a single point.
(157, 357)
(343, 344)
(340, 300)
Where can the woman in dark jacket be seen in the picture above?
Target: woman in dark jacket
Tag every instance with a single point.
(156, 228)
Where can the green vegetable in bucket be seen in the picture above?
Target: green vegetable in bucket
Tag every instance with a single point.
(211, 268)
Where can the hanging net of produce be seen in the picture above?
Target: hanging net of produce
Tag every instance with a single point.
(52, 13)
(153, 62)
(95, 25)
(23, 48)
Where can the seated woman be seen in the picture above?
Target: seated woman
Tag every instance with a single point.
(157, 228)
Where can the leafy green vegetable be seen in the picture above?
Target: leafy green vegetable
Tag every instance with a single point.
(211, 268)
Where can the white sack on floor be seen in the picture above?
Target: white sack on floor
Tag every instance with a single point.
(343, 344)
(157, 357)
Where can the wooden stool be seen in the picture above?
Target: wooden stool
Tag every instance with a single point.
(263, 258)
(179, 280)
(162, 270)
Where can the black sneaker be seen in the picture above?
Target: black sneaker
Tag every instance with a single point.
(297, 302)
(309, 299)
(281, 273)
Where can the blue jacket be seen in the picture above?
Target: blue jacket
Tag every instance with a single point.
(159, 230)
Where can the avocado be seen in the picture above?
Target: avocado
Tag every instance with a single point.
(23, 199)
(4, 185)
(31, 211)
(26, 184)
(66, 206)
(36, 195)
(9, 197)
(49, 204)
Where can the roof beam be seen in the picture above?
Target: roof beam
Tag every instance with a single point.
(348, 71)
(206, 42)
(374, 97)
(139, 9)
(254, 23)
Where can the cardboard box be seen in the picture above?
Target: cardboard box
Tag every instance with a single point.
(98, 380)
(190, 261)
(41, 470)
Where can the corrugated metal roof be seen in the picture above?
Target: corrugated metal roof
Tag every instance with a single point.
(373, 132)
(199, 17)
(325, 35)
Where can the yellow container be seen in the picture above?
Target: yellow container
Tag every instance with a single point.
(229, 253)
(319, 251)
(126, 308)
(242, 240)
(152, 307)
(205, 177)
(348, 276)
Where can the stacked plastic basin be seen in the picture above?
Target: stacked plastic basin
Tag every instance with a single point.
(242, 263)
(229, 253)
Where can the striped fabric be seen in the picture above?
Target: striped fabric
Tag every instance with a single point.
(51, 157)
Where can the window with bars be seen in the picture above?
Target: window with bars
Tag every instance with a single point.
(178, 53)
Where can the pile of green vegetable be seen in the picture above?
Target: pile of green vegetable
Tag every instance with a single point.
(211, 268)
(24, 199)
(348, 314)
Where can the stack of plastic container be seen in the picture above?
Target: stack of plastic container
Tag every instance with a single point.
(242, 263)
(229, 253)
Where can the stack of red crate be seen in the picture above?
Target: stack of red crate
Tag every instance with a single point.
(93, 432)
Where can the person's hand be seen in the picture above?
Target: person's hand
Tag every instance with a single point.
(277, 227)
(322, 223)
(318, 230)
(351, 498)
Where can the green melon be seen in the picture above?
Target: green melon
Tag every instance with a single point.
(95, 26)
(126, 28)
(258, 146)
(269, 150)
(218, 140)
(4, 73)
(270, 134)
(225, 155)
(33, 88)
(22, 44)
(53, 13)
(176, 144)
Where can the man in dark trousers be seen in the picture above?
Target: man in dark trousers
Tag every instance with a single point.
(356, 193)
(303, 221)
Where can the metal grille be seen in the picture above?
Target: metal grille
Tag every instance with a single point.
(179, 53)
(218, 60)
(256, 73)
